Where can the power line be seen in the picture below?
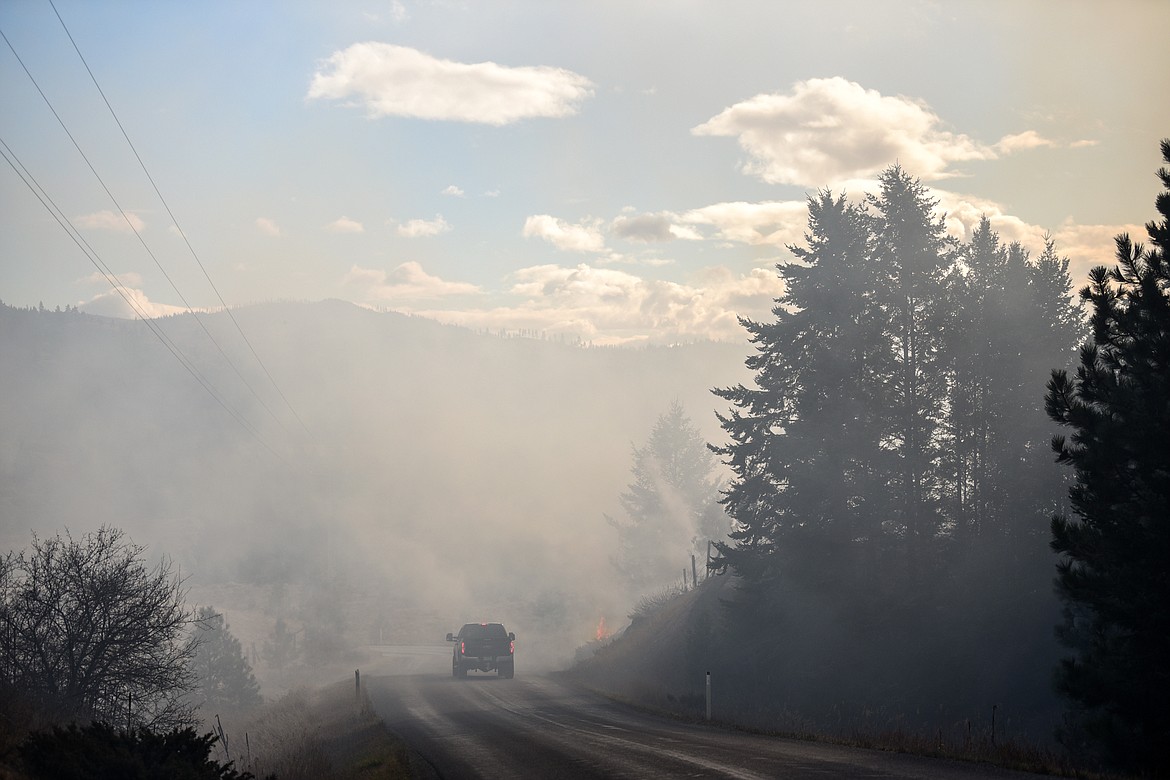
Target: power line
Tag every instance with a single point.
(182, 232)
(71, 230)
(138, 235)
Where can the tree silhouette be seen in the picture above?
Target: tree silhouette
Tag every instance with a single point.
(92, 633)
(280, 647)
(1011, 323)
(1112, 575)
(889, 488)
(805, 439)
(224, 679)
(915, 257)
(671, 506)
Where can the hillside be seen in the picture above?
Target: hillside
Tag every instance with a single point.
(438, 472)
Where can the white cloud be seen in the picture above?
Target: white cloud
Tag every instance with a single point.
(406, 282)
(609, 306)
(345, 225)
(111, 220)
(399, 81)
(585, 237)
(827, 130)
(647, 228)
(775, 223)
(422, 228)
(1028, 139)
(267, 226)
(649, 260)
(1085, 246)
(963, 213)
(453, 191)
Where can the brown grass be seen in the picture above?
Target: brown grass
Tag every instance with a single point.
(327, 733)
(631, 670)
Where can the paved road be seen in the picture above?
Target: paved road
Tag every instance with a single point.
(543, 727)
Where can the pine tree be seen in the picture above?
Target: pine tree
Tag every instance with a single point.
(1112, 573)
(671, 506)
(280, 647)
(225, 682)
(804, 442)
(1011, 317)
(916, 257)
(967, 460)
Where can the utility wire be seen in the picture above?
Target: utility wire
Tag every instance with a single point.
(182, 232)
(138, 235)
(71, 230)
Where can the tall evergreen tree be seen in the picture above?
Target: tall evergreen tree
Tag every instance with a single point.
(224, 679)
(805, 446)
(971, 397)
(1011, 316)
(915, 256)
(671, 506)
(1112, 573)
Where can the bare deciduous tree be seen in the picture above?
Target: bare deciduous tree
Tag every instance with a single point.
(93, 633)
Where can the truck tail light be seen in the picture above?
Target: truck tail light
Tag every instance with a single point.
(511, 648)
(462, 648)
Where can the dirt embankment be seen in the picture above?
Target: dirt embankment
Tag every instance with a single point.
(660, 659)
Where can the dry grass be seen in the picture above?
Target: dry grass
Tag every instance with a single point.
(321, 734)
(631, 670)
(958, 745)
(327, 733)
(654, 602)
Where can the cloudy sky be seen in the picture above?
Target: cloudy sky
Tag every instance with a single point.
(619, 171)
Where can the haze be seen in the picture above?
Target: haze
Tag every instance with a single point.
(441, 475)
(480, 248)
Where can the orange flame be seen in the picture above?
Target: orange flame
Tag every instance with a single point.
(601, 631)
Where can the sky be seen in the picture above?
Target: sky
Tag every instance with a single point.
(619, 172)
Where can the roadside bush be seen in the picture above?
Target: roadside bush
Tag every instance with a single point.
(99, 752)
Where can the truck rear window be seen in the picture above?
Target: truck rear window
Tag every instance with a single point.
(478, 631)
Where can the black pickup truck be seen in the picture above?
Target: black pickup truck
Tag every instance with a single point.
(483, 646)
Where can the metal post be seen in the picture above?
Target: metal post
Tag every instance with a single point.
(708, 696)
(694, 572)
(357, 684)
